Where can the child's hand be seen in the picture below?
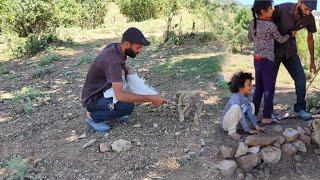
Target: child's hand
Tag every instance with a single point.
(260, 129)
(253, 131)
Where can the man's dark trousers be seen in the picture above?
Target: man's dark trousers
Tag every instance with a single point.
(295, 69)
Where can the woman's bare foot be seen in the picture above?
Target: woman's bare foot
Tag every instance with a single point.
(235, 136)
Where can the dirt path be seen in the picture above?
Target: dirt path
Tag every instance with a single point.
(162, 147)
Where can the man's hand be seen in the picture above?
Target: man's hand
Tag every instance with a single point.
(158, 100)
(313, 67)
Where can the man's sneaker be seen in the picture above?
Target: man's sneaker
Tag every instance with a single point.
(98, 127)
(124, 119)
(304, 115)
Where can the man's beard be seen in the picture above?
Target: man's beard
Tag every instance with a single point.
(130, 53)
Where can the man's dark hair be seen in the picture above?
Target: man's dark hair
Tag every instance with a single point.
(238, 80)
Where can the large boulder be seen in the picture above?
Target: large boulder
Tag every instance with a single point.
(289, 149)
(248, 162)
(242, 150)
(261, 140)
(228, 167)
(290, 134)
(271, 154)
(227, 152)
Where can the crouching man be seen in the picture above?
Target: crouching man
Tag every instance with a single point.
(106, 72)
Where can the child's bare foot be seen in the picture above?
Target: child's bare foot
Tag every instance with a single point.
(269, 121)
(235, 136)
(252, 131)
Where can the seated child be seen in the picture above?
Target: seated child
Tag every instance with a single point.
(239, 110)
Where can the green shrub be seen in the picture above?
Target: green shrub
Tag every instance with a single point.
(67, 12)
(140, 10)
(92, 13)
(26, 17)
(83, 13)
(42, 71)
(85, 59)
(49, 59)
(28, 98)
(18, 166)
(20, 47)
(4, 70)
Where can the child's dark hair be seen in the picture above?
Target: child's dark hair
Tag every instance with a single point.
(256, 10)
(238, 80)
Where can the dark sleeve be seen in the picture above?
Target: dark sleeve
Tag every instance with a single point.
(312, 28)
(276, 34)
(113, 69)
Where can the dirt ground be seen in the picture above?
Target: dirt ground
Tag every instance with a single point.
(167, 148)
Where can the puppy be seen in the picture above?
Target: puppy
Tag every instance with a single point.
(188, 100)
(316, 128)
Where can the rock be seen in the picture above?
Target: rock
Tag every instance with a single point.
(73, 132)
(242, 150)
(308, 131)
(155, 125)
(249, 177)
(139, 143)
(106, 135)
(297, 158)
(313, 138)
(121, 145)
(261, 140)
(300, 146)
(305, 139)
(177, 133)
(313, 111)
(300, 130)
(228, 167)
(290, 134)
(137, 125)
(279, 141)
(12, 72)
(271, 154)
(82, 136)
(71, 138)
(104, 147)
(248, 162)
(254, 150)
(317, 151)
(202, 142)
(277, 128)
(227, 152)
(289, 149)
(89, 143)
(240, 175)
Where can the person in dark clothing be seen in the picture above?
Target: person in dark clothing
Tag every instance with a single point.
(294, 17)
(106, 72)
